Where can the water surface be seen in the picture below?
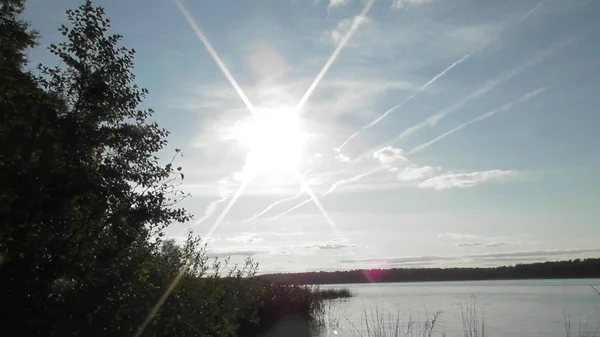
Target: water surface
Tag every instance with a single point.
(508, 308)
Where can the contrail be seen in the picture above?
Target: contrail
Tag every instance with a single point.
(516, 24)
(317, 203)
(298, 195)
(351, 180)
(489, 114)
(331, 189)
(227, 208)
(334, 55)
(394, 108)
(214, 55)
(271, 206)
(487, 87)
(410, 131)
(535, 8)
(209, 211)
(291, 209)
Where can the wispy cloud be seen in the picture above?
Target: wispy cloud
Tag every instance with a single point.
(463, 180)
(511, 255)
(331, 245)
(403, 3)
(460, 236)
(417, 173)
(246, 238)
(343, 158)
(394, 163)
(474, 240)
(209, 211)
(244, 253)
(389, 155)
(337, 3)
(536, 253)
(399, 260)
(482, 244)
(336, 34)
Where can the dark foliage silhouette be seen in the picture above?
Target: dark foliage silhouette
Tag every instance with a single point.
(578, 268)
(84, 201)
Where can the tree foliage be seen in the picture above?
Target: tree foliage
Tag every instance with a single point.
(84, 201)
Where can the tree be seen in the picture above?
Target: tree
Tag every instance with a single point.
(84, 198)
(84, 201)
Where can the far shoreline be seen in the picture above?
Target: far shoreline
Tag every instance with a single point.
(551, 270)
(457, 281)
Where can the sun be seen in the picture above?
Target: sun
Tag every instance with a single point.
(274, 140)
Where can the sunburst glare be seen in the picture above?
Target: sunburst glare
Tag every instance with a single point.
(274, 139)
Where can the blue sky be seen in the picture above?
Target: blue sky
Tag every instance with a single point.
(488, 156)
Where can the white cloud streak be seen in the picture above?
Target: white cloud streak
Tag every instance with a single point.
(209, 211)
(463, 180)
(337, 3)
(489, 114)
(330, 190)
(389, 155)
(394, 108)
(351, 180)
(531, 11)
(417, 173)
(487, 87)
(343, 158)
(495, 256)
(317, 202)
(291, 209)
(402, 3)
(271, 206)
(227, 208)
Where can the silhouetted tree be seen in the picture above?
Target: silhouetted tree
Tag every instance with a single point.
(84, 202)
(83, 196)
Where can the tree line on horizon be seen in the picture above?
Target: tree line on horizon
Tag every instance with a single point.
(577, 268)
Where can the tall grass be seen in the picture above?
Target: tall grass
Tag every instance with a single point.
(584, 330)
(376, 323)
(473, 324)
(290, 310)
(332, 294)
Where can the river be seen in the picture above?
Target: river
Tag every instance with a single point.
(507, 308)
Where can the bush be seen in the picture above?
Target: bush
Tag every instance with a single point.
(285, 309)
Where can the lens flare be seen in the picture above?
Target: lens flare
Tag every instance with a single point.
(213, 53)
(334, 55)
